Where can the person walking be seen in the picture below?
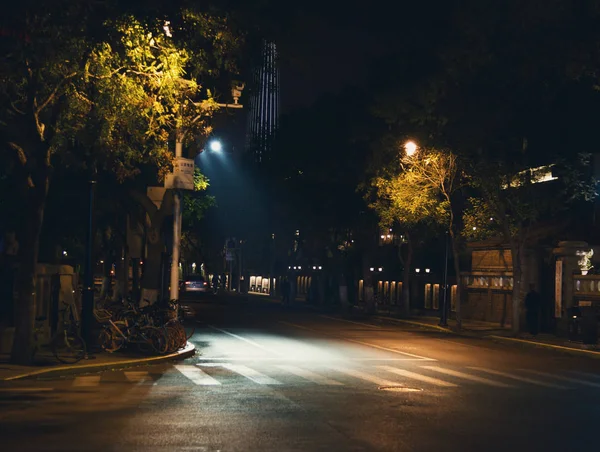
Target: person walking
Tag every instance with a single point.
(215, 283)
(533, 303)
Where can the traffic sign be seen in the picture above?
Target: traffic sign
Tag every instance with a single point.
(182, 176)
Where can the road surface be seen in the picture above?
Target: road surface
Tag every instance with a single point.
(270, 378)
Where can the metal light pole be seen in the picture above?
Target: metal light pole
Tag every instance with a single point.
(444, 314)
(236, 92)
(174, 291)
(87, 305)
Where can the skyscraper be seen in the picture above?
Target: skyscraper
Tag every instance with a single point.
(263, 118)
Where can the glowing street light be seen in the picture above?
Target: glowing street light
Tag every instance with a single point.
(410, 147)
(215, 146)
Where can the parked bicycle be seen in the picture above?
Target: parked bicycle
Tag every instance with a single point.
(66, 343)
(153, 329)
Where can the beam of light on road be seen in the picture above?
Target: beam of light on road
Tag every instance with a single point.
(262, 345)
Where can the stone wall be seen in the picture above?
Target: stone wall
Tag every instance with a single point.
(488, 305)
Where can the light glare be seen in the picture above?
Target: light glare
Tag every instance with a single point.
(410, 147)
(215, 146)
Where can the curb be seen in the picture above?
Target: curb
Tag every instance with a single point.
(188, 351)
(561, 348)
(511, 340)
(420, 324)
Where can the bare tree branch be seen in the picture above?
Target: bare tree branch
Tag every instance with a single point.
(52, 95)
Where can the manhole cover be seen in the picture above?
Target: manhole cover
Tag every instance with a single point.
(399, 389)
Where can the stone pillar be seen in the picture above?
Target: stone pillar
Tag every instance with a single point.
(566, 252)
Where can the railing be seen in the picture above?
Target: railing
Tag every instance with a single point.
(586, 285)
(488, 280)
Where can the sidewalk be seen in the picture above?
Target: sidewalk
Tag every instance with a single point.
(47, 365)
(493, 331)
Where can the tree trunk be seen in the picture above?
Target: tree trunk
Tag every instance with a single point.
(152, 277)
(517, 252)
(106, 276)
(117, 292)
(135, 280)
(30, 240)
(406, 278)
(455, 257)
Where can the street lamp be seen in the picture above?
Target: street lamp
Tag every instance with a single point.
(410, 147)
(215, 146)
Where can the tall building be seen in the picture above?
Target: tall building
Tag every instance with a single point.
(263, 118)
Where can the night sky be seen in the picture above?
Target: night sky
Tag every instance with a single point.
(326, 48)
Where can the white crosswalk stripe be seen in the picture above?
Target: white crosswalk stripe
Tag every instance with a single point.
(87, 381)
(136, 377)
(196, 375)
(247, 372)
(518, 378)
(309, 375)
(335, 375)
(365, 376)
(419, 377)
(465, 376)
(563, 378)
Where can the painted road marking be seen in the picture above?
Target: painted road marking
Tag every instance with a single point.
(350, 321)
(249, 341)
(135, 376)
(560, 377)
(328, 359)
(415, 376)
(17, 389)
(585, 375)
(455, 373)
(413, 357)
(247, 372)
(86, 381)
(310, 376)
(519, 378)
(364, 376)
(196, 375)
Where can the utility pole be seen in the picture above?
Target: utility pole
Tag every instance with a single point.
(236, 92)
(174, 292)
(87, 305)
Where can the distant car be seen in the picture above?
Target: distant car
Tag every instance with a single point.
(195, 283)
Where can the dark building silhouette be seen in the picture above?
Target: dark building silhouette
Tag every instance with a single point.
(263, 117)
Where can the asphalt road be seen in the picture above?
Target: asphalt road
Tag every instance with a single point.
(286, 379)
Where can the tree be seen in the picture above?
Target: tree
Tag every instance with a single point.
(439, 172)
(83, 91)
(512, 203)
(195, 204)
(508, 89)
(407, 194)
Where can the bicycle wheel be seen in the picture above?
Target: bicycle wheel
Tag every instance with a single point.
(68, 347)
(151, 339)
(110, 340)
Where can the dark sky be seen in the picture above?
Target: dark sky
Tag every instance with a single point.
(324, 48)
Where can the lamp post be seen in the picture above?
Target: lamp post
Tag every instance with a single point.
(410, 147)
(216, 146)
(87, 305)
